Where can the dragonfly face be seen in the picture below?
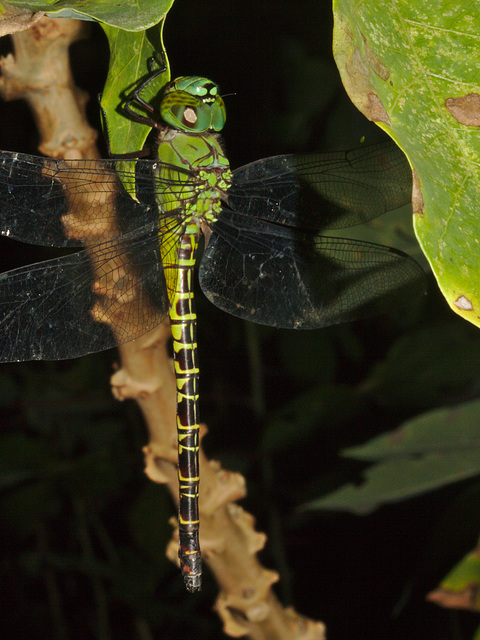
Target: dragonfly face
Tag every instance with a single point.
(266, 260)
(193, 104)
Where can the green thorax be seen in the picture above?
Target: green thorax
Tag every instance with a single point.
(193, 112)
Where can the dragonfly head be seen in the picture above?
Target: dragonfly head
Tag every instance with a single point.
(193, 104)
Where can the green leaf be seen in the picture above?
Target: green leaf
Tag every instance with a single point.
(427, 452)
(459, 589)
(400, 479)
(427, 366)
(443, 430)
(129, 53)
(134, 15)
(412, 67)
(317, 409)
(465, 574)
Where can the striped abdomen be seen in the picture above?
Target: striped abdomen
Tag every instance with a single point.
(184, 331)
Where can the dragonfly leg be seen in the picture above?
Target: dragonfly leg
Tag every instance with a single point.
(135, 97)
(142, 153)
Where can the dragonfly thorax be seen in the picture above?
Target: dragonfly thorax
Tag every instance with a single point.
(191, 151)
(200, 188)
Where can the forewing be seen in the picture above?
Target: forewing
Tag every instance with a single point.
(55, 310)
(324, 190)
(285, 277)
(72, 202)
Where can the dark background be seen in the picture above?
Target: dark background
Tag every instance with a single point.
(86, 532)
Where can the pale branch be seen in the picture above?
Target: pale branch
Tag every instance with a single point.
(39, 72)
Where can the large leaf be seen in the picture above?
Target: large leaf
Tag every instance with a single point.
(129, 53)
(440, 431)
(427, 452)
(426, 367)
(412, 67)
(134, 15)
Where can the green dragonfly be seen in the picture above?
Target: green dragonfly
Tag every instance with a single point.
(140, 220)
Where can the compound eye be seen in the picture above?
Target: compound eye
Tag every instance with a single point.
(183, 111)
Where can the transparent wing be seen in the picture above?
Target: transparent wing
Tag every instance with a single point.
(67, 307)
(324, 190)
(72, 202)
(286, 277)
(252, 268)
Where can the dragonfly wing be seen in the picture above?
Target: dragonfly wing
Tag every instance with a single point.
(59, 309)
(324, 190)
(284, 277)
(55, 310)
(65, 203)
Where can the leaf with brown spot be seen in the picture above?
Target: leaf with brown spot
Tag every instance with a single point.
(406, 66)
(376, 111)
(460, 589)
(465, 109)
(417, 198)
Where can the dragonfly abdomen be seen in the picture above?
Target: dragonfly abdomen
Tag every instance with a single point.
(194, 200)
(184, 331)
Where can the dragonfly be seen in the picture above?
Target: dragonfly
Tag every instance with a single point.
(135, 225)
